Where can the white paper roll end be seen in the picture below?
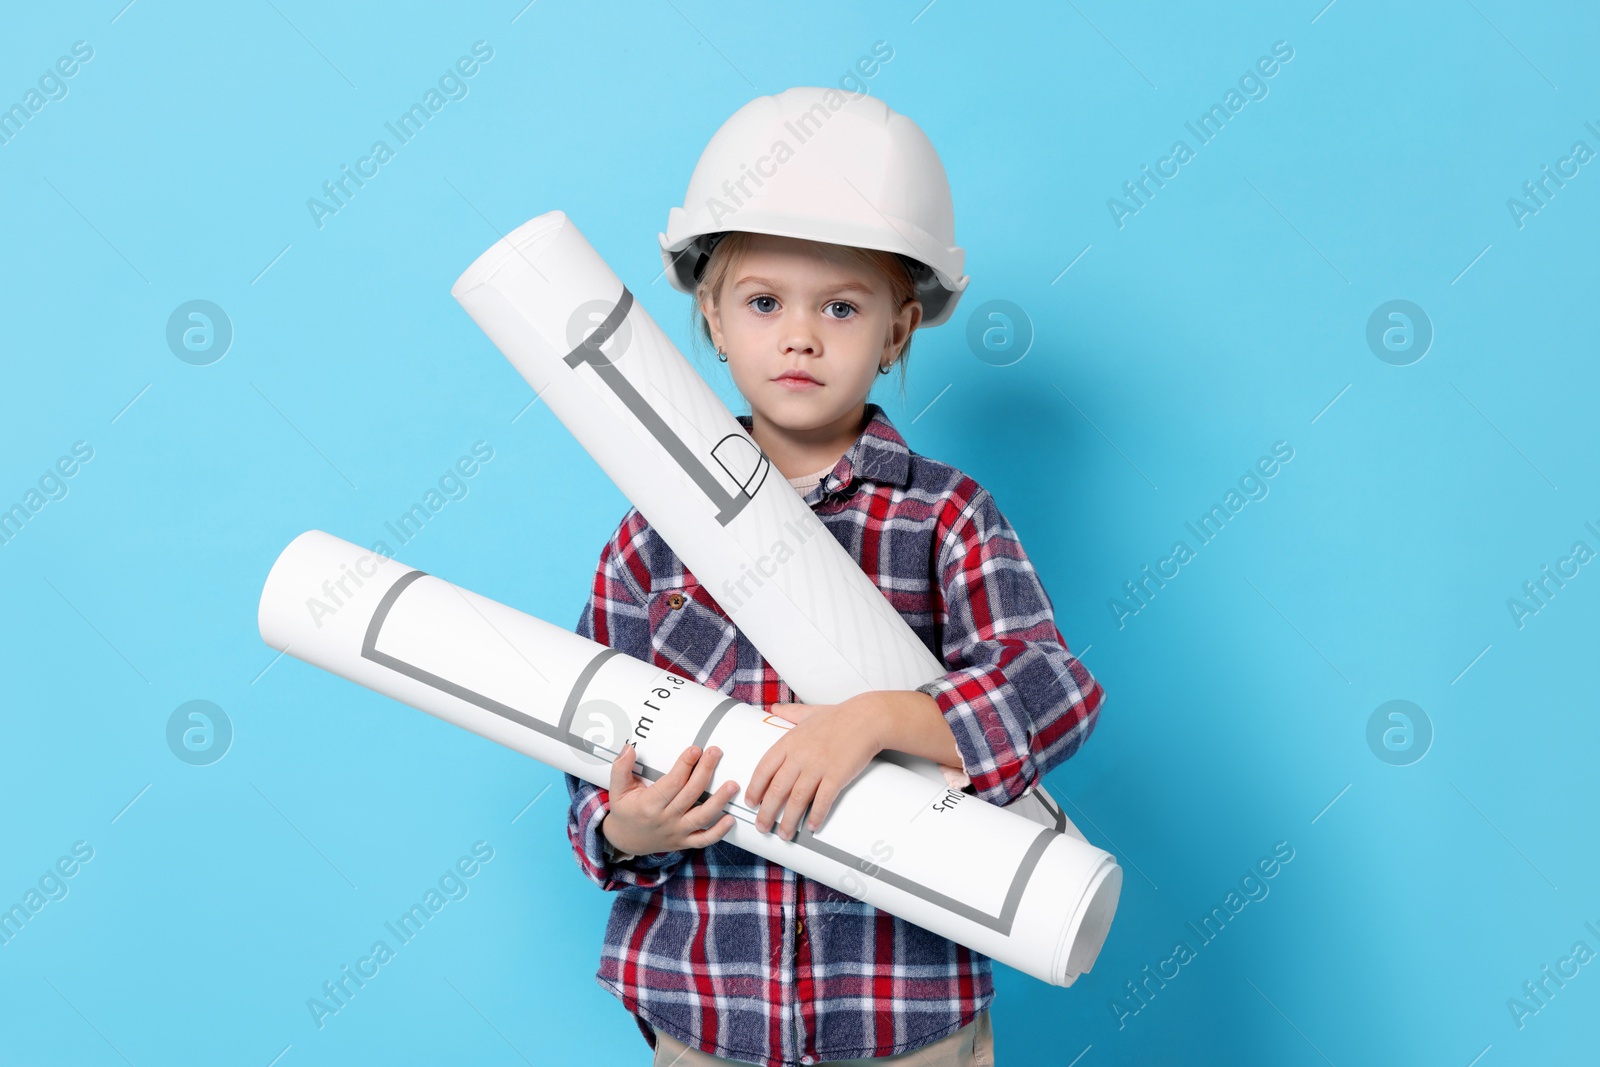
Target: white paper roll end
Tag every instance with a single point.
(268, 613)
(307, 599)
(1085, 935)
(524, 242)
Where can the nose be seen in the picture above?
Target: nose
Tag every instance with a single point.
(800, 336)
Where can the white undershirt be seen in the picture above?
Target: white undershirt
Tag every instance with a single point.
(807, 482)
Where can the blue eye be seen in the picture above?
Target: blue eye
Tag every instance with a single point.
(849, 307)
(763, 310)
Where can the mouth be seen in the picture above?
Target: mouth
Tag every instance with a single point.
(797, 381)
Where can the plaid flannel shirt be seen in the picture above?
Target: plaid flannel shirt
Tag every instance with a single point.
(744, 958)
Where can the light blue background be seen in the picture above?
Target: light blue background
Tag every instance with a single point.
(1228, 314)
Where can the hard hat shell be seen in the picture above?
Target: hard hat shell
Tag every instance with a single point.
(823, 165)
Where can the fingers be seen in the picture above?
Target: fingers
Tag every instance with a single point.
(762, 775)
(698, 780)
(822, 803)
(706, 812)
(667, 786)
(804, 789)
(711, 834)
(789, 712)
(773, 800)
(622, 771)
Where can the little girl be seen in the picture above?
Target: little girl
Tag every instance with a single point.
(817, 235)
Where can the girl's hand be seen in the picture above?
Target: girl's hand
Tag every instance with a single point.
(665, 815)
(811, 764)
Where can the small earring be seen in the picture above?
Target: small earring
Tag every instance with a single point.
(721, 355)
(884, 368)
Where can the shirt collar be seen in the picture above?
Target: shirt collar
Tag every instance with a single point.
(879, 454)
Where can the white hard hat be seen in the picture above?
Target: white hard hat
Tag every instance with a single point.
(823, 165)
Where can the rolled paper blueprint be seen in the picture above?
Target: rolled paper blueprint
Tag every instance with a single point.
(677, 453)
(1029, 896)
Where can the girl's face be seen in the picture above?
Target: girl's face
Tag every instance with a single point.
(805, 331)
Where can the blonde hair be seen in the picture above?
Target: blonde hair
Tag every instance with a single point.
(730, 250)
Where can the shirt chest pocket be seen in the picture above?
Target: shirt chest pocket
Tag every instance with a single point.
(690, 633)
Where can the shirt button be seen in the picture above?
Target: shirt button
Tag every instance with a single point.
(675, 601)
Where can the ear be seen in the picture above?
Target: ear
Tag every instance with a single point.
(901, 328)
(713, 320)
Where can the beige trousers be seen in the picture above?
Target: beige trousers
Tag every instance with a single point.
(970, 1046)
